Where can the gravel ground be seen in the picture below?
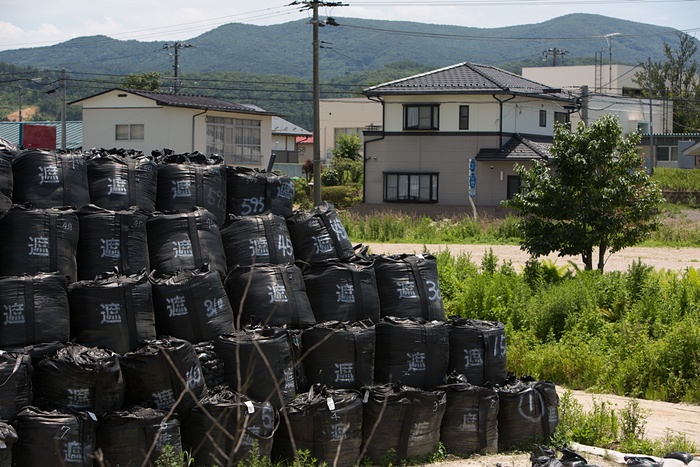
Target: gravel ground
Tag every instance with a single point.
(675, 259)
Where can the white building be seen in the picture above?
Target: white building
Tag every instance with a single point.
(145, 120)
(455, 133)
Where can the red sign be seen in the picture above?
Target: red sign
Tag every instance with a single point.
(39, 136)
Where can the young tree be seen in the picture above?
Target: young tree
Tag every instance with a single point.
(593, 192)
(347, 158)
(150, 81)
(678, 79)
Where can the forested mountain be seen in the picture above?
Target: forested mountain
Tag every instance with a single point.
(270, 66)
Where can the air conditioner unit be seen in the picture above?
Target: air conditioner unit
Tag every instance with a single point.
(643, 127)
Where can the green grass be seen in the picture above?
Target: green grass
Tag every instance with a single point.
(677, 179)
(633, 333)
(678, 230)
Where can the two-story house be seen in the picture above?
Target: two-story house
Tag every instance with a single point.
(145, 120)
(455, 133)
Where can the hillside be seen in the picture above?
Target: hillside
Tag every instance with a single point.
(356, 45)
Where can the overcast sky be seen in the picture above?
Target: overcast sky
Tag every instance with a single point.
(34, 23)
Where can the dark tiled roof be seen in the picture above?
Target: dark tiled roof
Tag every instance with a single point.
(518, 148)
(188, 101)
(465, 78)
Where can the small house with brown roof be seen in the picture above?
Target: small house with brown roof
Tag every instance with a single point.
(146, 120)
(455, 133)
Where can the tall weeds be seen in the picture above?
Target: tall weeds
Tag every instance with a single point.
(631, 333)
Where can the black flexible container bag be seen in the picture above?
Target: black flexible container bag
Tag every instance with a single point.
(188, 240)
(343, 291)
(8, 437)
(113, 311)
(470, 423)
(16, 390)
(529, 411)
(137, 436)
(160, 371)
(409, 287)
(254, 191)
(80, 378)
(50, 179)
(119, 180)
(478, 350)
(38, 240)
(318, 235)
(339, 355)
(191, 305)
(6, 182)
(111, 241)
(189, 180)
(225, 426)
(54, 438)
(326, 422)
(258, 239)
(403, 419)
(35, 309)
(269, 294)
(212, 365)
(260, 362)
(411, 351)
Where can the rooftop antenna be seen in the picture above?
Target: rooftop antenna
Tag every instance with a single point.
(608, 39)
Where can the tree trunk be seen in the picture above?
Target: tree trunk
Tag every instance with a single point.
(601, 257)
(587, 257)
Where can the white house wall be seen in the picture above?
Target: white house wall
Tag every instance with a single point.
(520, 115)
(345, 113)
(181, 129)
(447, 155)
(631, 111)
(574, 77)
(162, 129)
(447, 151)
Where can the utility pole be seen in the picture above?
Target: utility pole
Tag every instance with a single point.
(21, 91)
(63, 109)
(652, 162)
(554, 52)
(608, 38)
(313, 6)
(176, 63)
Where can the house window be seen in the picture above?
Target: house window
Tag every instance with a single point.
(236, 139)
(421, 117)
(513, 186)
(666, 153)
(131, 132)
(463, 117)
(543, 118)
(561, 117)
(411, 187)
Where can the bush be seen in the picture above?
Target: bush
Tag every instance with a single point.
(342, 196)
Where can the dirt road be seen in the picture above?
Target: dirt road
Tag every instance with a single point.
(675, 259)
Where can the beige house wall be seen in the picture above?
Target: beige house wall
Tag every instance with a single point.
(520, 115)
(447, 155)
(180, 129)
(345, 113)
(612, 78)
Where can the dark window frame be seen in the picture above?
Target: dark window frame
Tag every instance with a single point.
(463, 119)
(543, 118)
(434, 117)
(408, 189)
